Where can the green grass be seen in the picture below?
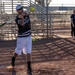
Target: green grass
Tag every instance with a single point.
(34, 40)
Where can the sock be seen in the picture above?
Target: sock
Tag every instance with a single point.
(29, 64)
(13, 61)
(13, 58)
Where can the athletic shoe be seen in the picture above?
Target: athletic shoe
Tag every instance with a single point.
(13, 61)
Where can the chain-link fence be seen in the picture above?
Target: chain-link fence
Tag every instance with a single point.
(45, 22)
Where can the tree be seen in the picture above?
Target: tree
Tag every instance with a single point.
(41, 2)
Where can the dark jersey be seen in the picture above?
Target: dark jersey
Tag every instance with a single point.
(73, 17)
(23, 31)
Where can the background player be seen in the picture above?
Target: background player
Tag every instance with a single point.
(73, 25)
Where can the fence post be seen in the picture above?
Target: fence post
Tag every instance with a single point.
(47, 15)
(30, 3)
(4, 7)
(0, 6)
(12, 6)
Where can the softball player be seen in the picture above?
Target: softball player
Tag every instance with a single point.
(24, 40)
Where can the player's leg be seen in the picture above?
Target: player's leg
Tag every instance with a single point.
(13, 59)
(29, 62)
(28, 47)
(18, 50)
(72, 31)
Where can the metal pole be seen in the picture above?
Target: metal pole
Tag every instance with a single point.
(22, 1)
(42, 3)
(12, 6)
(1, 10)
(4, 7)
(35, 7)
(0, 6)
(30, 3)
(47, 15)
(51, 34)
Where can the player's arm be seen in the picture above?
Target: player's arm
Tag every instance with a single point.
(21, 16)
(26, 14)
(18, 21)
(29, 21)
(22, 20)
(72, 22)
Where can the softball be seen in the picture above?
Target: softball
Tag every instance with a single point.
(32, 9)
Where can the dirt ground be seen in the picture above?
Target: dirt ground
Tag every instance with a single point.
(49, 57)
